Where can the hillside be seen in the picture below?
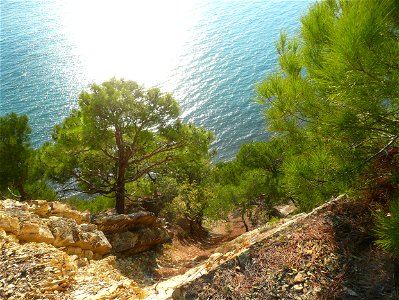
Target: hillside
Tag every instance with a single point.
(326, 254)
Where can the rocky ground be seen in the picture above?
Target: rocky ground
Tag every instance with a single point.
(41, 271)
(327, 254)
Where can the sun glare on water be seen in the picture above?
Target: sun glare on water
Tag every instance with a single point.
(138, 40)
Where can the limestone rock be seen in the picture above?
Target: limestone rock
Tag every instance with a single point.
(57, 224)
(68, 233)
(32, 222)
(35, 230)
(9, 223)
(149, 237)
(63, 210)
(299, 278)
(138, 240)
(123, 241)
(63, 231)
(39, 207)
(282, 211)
(10, 205)
(131, 233)
(16, 219)
(110, 222)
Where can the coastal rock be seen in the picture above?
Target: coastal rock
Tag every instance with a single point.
(57, 224)
(111, 222)
(139, 240)
(39, 207)
(68, 233)
(149, 237)
(131, 233)
(10, 205)
(8, 223)
(123, 241)
(32, 222)
(59, 209)
(34, 230)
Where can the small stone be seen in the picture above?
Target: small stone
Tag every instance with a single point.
(299, 278)
(298, 287)
(317, 289)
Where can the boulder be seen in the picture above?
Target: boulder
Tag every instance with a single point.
(131, 233)
(67, 233)
(111, 222)
(57, 224)
(123, 241)
(139, 240)
(35, 230)
(10, 205)
(148, 238)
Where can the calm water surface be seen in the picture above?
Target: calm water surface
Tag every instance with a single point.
(209, 54)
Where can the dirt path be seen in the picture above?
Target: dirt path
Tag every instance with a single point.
(179, 256)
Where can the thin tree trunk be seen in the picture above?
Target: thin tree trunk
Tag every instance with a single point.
(243, 220)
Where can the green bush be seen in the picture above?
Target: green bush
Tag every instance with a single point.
(95, 205)
(387, 229)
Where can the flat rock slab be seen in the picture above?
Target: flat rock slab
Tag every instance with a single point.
(110, 222)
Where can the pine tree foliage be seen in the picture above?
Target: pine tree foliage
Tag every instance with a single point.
(120, 134)
(15, 152)
(387, 229)
(335, 95)
(21, 174)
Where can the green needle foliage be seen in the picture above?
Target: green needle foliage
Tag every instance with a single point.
(15, 152)
(334, 98)
(120, 134)
(21, 174)
(387, 229)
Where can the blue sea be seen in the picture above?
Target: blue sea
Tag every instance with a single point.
(209, 54)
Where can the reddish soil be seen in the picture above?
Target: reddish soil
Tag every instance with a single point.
(180, 255)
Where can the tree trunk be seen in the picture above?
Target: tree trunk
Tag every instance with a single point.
(120, 198)
(122, 163)
(22, 192)
(243, 220)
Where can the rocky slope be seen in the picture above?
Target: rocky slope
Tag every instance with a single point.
(50, 251)
(326, 254)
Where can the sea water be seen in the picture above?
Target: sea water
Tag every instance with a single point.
(209, 54)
